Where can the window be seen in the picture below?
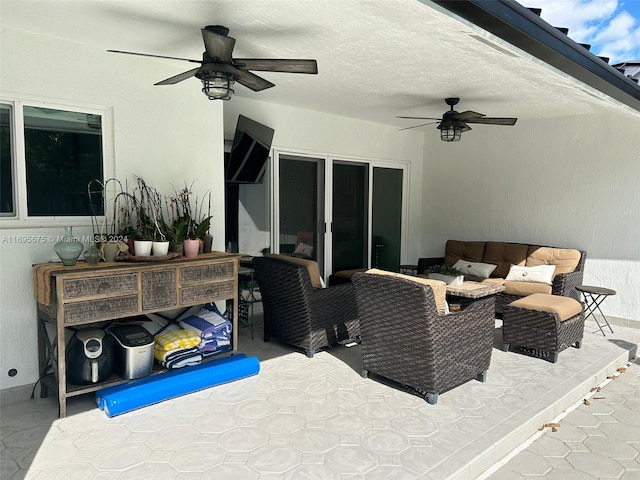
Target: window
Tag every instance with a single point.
(6, 159)
(49, 155)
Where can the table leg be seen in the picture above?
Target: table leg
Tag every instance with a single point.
(592, 303)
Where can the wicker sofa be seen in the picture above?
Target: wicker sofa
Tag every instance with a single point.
(404, 337)
(298, 311)
(568, 273)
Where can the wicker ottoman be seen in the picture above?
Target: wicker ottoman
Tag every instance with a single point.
(545, 323)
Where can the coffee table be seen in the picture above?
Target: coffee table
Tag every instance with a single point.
(469, 291)
(474, 289)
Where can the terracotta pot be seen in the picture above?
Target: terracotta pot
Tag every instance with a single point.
(191, 247)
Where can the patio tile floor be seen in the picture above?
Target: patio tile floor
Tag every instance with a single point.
(319, 419)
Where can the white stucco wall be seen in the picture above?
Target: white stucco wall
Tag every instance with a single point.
(322, 134)
(167, 135)
(566, 182)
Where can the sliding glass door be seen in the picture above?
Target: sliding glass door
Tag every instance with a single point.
(386, 218)
(345, 214)
(301, 207)
(350, 227)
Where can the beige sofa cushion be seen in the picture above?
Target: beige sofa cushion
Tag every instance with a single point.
(439, 288)
(522, 289)
(565, 259)
(456, 250)
(565, 307)
(310, 265)
(504, 255)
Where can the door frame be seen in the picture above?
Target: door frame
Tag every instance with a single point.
(328, 198)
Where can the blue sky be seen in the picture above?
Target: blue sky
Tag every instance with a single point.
(612, 27)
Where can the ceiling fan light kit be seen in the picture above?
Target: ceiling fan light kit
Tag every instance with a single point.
(218, 86)
(452, 123)
(218, 70)
(450, 133)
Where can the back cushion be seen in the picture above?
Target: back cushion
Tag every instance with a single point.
(565, 259)
(504, 255)
(458, 250)
(310, 265)
(439, 288)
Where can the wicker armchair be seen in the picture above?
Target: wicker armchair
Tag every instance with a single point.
(405, 340)
(298, 314)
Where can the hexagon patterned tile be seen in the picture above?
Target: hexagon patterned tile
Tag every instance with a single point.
(319, 419)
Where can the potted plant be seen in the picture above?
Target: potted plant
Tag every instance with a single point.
(150, 224)
(106, 237)
(449, 275)
(189, 223)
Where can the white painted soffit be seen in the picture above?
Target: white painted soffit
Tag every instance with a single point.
(376, 58)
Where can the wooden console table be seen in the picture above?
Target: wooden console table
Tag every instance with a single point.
(83, 295)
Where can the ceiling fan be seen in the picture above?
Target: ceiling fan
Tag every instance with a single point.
(218, 70)
(452, 123)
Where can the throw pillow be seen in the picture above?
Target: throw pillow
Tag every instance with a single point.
(303, 249)
(477, 269)
(539, 274)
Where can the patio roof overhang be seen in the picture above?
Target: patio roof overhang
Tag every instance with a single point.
(524, 29)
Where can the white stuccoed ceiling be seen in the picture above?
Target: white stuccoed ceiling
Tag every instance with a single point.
(376, 58)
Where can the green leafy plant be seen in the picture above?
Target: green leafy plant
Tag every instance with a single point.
(184, 213)
(444, 270)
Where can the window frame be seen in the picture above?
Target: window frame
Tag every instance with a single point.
(20, 217)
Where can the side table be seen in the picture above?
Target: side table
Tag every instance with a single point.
(409, 269)
(593, 297)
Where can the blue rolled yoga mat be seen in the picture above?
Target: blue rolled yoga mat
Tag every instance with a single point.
(157, 388)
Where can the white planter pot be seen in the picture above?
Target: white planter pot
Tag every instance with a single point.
(142, 248)
(448, 279)
(160, 248)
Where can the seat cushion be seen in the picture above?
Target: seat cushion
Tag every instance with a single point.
(564, 307)
(439, 287)
(522, 289)
(310, 265)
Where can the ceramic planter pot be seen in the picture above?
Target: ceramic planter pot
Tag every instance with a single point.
(191, 247)
(142, 247)
(160, 248)
(110, 251)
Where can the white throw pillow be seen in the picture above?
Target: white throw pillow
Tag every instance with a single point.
(539, 274)
(303, 249)
(476, 269)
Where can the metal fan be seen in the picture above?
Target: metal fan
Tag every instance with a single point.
(218, 69)
(452, 123)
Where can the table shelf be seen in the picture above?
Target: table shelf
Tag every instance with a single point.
(70, 297)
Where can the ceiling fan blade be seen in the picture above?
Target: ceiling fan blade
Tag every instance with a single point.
(252, 81)
(180, 77)
(419, 118)
(217, 46)
(155, 56)
(416, 126)
(468, 115)
(277, 65)
(494, 121)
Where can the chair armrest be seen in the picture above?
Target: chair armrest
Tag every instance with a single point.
(426, 262)
(565, 284)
